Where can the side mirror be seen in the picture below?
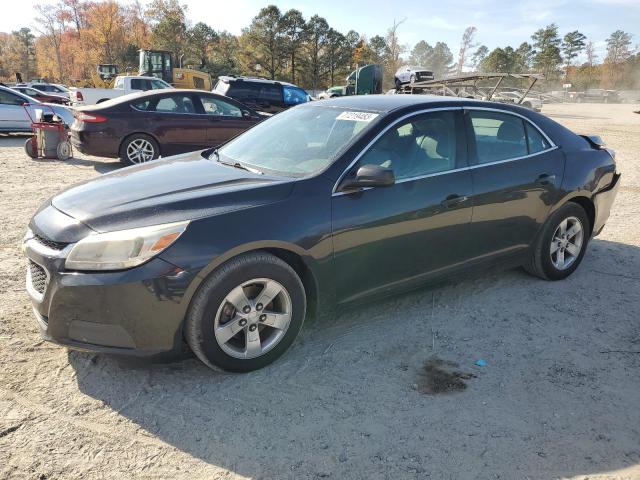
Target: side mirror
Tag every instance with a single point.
(369, 176)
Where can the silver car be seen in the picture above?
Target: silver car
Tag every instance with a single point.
(13, 116)
(412, 74)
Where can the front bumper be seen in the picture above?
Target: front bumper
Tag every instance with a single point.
(133, 312)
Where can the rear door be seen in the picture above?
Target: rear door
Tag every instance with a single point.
(175, 122)
(225, 119)
(386, 237)
(12, 114)
(517, 172)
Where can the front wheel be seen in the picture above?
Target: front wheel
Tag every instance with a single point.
(561, 244)
(246, 314)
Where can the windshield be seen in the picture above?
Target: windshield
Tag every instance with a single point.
(299, 141)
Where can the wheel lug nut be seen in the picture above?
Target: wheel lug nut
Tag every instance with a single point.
(253, 327)
(259, 307)
(242, 322)
(246, 309)
(263, 317)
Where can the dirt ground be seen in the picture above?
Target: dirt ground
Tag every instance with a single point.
(559, 396)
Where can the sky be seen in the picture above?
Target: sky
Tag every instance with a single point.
(499, 22)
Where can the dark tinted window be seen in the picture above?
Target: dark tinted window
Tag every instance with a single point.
(140, 84)
(243, 90)
(422, 145)
(499, 136)
(535, 140)
(145, 105)
(271, 93)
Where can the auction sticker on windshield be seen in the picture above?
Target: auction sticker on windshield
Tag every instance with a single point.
(357, 116)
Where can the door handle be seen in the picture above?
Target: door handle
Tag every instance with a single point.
(546, 179)
(453, 200)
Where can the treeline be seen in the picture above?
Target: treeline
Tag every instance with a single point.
(74, 36)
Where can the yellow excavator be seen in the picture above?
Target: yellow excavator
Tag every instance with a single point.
(160, 64)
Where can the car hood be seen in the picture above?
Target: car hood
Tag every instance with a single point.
(183, 187)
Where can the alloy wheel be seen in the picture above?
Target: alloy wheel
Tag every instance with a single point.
(140, 151)
(566, 243)
(253, 318)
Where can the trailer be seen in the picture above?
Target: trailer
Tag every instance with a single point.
(476, 85)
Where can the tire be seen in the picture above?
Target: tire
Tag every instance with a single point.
(28, 148)
(543, 262)
(398, 84)
(150, 149)
(63, 151)
(211, 316)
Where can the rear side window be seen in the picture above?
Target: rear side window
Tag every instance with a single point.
(140, 84)
(176, 104)
(7, 98)
(271, 93)
(535, 140)
(498, 136)
(243, 90)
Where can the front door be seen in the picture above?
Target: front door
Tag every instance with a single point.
(516, 172)
(178, 126)
(225, 119)
(388, 237)
(12, 114)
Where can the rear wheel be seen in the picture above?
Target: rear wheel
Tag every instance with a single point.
(246, 314)
(398, 84)
(562, 243)
(139, 148)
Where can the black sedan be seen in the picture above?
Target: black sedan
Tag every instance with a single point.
(143, 126)
(327, 204)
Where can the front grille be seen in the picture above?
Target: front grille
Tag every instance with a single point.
(38, 277)
(49, 243)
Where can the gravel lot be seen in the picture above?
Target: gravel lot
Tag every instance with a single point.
(558, 398)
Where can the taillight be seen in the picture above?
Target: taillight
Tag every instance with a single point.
(89, 118)
(79, 97)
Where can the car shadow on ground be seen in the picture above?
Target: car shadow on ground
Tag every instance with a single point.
(558, 396)
(99, 165)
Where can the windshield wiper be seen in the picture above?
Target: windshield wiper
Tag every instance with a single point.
(236, 164)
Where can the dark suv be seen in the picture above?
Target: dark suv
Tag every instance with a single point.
(261, 94)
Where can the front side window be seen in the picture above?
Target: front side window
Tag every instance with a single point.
(158, 85)
(120, 83)
(175, 104)
(294, 96)
(422, 145)
(498, 136)
(298, 141)
(216, 106)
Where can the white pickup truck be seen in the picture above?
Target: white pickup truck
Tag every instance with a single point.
(122, 86)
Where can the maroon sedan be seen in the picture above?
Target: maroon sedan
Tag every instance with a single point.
(43, 97)
(143, 126)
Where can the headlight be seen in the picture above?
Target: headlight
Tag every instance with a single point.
(123, 248)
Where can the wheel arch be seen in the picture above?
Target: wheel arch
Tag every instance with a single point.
(294, 256)
(587, 204)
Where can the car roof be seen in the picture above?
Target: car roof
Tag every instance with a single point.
(388, 103)
(233, 78)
